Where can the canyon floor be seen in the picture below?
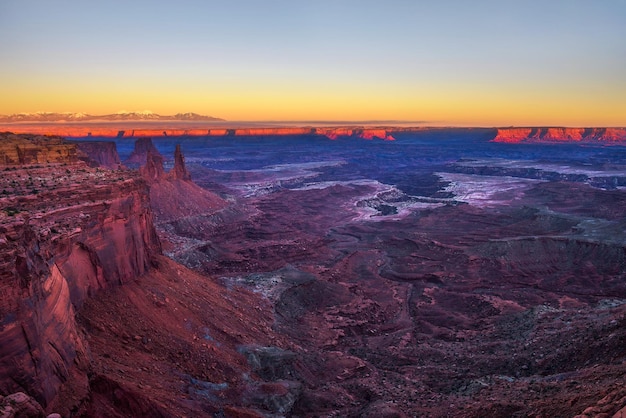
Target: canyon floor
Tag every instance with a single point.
(435, 275)
(430, 276)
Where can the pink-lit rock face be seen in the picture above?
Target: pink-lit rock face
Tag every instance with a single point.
(72, 253)
(75, 232)
(173, 195)
(99, 154)
(87, 234)
(515, 135)
(120, 131)
(140, 152)
(179, 171)
(152, 169)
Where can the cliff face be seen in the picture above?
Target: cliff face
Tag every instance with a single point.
(152, 170)
(516, 135)
(99, 154)
(173, 195)
(145, 133)
(179, 171)
(65, 233)
(365, 133)
(142, 147)
(35, 149)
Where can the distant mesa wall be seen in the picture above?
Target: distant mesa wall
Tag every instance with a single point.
(537, 135)
(365, 133)
(117, 132)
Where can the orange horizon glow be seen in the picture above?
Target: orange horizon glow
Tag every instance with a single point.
(526, 64)
(433, 105)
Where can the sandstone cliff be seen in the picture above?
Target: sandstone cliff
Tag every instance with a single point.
(365, 133)
(179, 171)
(94, 321)
(35, 149)
(173, 195)
(604, 135)
(99, 154)
(152, 170)
(140, 152)
(104, 131)
(65, 233)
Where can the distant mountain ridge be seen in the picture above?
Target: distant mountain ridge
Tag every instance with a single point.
(119, 116)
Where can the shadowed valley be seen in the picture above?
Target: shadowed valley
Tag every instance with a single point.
(439, 274)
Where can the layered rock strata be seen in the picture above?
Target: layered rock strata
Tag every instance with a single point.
(534, 135)
(66, 231)
(99, 154)
(18, 150)
(72, 131)
(142, 147)
(173, 194)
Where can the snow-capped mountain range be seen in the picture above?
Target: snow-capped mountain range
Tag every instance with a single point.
(145, 115)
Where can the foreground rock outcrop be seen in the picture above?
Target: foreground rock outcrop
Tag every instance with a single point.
(94, 321)
(20, 405)
(66, 232)
(534, 135)
(173, 194)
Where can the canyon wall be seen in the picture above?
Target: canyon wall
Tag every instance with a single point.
(517, 135)
(66, 231)
(69, 131)
(99, 154)
(173, 195)
(35, 149)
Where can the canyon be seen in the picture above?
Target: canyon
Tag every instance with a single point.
(80, 257)
(269, 272)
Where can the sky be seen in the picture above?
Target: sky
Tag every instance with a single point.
(446, 62)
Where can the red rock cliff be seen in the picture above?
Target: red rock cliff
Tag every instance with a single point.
(35, 149)
(174, 195)
(141, 133)
(179, 171)
(516, 135)
(99, 154)
(140, 152)
(65, 233)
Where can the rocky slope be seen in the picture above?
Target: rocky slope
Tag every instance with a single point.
(173, 194)
(533, 135)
